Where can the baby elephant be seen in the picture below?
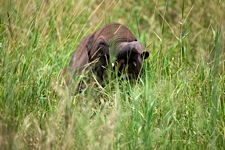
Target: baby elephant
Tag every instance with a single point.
(112, 44)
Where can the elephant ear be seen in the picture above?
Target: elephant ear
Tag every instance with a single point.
(145, 54)
(98, 54)
(97, 47)
(89, 45)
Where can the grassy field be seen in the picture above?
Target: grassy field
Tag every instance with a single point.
(178, 103)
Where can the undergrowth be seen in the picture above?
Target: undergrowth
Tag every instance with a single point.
(177, 103)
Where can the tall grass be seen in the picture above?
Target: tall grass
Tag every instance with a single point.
(178, 103)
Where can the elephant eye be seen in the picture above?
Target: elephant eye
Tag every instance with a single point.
(120, 63)
(134, 63)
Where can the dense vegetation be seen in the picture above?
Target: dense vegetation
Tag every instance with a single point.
(178, 103)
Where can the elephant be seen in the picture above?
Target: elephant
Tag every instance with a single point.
(114, 44)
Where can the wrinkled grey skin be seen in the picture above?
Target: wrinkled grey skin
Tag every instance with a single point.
(95, 50)
(130, 57)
